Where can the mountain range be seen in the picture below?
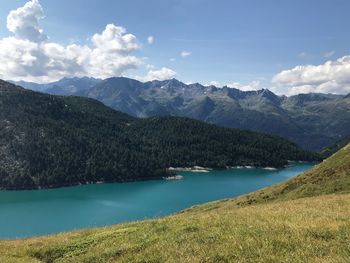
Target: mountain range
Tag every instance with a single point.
(313, 120)
(51, 141)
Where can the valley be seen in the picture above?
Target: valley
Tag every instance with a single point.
(174, 131)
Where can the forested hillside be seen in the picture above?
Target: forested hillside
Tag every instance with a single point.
(49, 141)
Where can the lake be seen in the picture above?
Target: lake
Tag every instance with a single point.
(41, 212)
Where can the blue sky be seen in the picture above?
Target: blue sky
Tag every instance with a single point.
(229, 41)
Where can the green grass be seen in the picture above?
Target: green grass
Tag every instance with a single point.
(330, 176)
(306, 219)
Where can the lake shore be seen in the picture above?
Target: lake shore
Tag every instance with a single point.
(194, 169)
(199, 169)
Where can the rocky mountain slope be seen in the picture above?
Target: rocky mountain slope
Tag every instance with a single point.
(313, 121)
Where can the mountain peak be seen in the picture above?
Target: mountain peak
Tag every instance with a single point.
(176, 82)
(269, 95)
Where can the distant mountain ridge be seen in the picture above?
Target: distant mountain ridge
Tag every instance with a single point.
(65, 86)
(311, 120)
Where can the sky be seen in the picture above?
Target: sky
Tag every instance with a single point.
(289, 46)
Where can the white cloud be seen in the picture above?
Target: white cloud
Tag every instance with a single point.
(30, 56)
(185, 54)
(161, 74)
(172, 59)
(115, 40)
(330, 77)
(150, 40)
(24, 22)
(329, 54)
(254, 85)
(214, 83)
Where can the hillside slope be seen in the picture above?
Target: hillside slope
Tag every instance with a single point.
(286, 227)
(330, 176)
(51, 141)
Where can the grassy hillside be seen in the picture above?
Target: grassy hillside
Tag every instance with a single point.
(330, 176)
(51, 141)
(306, 219)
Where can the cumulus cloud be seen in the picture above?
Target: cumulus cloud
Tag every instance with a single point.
(254, 85)
(150, 40)
(24, 22)
(160, 74)
(115, 40)
(185, 54)
(30, 56)
(330, 77)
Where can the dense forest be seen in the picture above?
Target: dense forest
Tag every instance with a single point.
(51, 141)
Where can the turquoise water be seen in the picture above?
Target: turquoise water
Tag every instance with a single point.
(40, 212)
